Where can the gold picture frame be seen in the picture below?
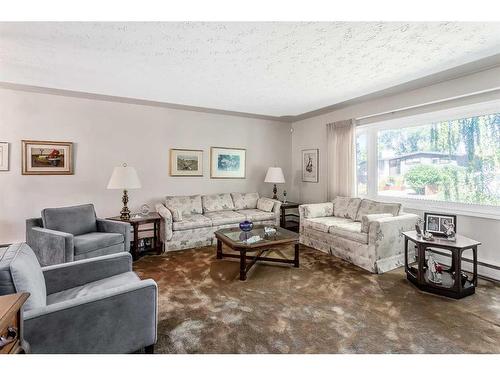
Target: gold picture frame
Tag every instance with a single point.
(182, 162)
(47, 158)
(228, 163)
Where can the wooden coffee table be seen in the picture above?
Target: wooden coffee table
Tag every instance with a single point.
(234, 238)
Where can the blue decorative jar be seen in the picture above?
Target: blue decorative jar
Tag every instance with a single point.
(246, 226)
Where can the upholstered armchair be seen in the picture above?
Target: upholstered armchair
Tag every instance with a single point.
(67, 234)
(94, 305)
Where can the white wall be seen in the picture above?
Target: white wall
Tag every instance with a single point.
(311, 133)
(106, 134)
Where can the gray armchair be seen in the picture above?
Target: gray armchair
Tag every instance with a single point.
(66, 234)
(94, 305)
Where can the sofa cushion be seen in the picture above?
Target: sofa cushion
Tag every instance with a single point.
(367, 219)
(224, 217)
(349, 230)
(217, 202)
(254, 214)
(245, 200)
(323, 224)
(93, 287)
(192, 222)
(186, 204)
(265, 204)
(177, 214)
(368, 207)
(96, 240)
(346, 207)
(318, 210)
(21, 272)
(75, 220)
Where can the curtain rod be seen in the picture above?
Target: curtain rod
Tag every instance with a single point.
(448, 102)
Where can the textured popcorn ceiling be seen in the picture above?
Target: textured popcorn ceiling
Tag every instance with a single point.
(264, 68)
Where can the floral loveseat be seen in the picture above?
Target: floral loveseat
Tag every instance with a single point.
(362, 231)
(190, 221)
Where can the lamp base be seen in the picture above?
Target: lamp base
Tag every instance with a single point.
(275, 190)
(125, 212)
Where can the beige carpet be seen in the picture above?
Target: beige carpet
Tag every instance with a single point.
(325, 306)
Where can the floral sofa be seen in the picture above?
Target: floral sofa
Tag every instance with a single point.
(362, 231)
(190, 221)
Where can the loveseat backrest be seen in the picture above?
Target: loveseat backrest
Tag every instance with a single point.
(76, 220)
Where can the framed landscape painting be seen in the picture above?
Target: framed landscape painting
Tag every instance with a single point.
(310, 165)
(4, 156)
(47, 158)
(188, 163)
(227, 162)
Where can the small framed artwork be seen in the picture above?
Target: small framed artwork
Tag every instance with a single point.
(4, 156)
(227, 162)
(186, 163)
(438, 223)
(47, 157)
(310, 163)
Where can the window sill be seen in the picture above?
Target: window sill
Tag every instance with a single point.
(463, 209)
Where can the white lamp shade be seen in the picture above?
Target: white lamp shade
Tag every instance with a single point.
(275, 176)
(124, 178)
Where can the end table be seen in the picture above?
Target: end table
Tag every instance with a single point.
(136, 222)
(453, 284)
(289, 224)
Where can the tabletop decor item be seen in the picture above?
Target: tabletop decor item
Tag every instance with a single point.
(186, 163)
(310, 164)
(274, 176)
(450, 231)
(4, 156)
(284, 196)
(246, 226)
(47, 158)
(427, 236)
(419, 227)
(438, 224)
(145, 210)
(124, 178)
(227, 162)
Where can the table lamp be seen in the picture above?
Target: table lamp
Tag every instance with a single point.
(275, 176)
(125, 178)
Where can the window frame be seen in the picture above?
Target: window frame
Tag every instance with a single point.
(372, 129)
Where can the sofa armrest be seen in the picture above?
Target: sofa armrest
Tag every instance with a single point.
(70, 275)
(166, 231)
(117, 320)
(277, 210)
(385, 234)
(112, 226)
(50, 246)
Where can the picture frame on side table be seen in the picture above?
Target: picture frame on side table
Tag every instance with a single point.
(4, 156)
(226, 162)
(437, 223)
(47, 158)
(310, 165)
(186, 163)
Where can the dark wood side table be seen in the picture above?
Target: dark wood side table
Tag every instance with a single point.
(453, 284)
(289, 224)
(152, 218)
(11, 334)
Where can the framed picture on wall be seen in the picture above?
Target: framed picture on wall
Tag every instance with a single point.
(186, 163)
(4, 156)
(438, 223)
(47, 157)
(310, 164)
(227, 162)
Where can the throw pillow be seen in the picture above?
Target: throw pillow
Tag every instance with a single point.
(367, 219)
(176, 213)
(265, 204)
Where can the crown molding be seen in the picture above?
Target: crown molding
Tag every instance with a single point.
(144, 102)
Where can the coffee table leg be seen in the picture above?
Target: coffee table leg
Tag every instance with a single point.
(296, 259)
(243, 265)
(219, 249)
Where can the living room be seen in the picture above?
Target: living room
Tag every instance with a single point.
(246, 187)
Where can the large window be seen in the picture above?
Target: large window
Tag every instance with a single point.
(456, 160)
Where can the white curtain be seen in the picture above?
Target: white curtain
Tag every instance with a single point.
(341, 158)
